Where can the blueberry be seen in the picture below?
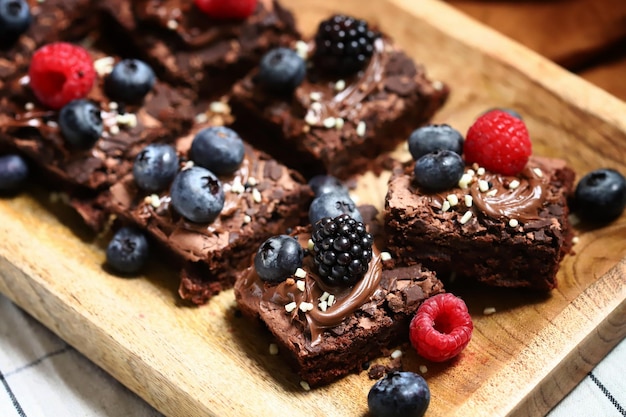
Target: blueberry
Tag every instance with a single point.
(439, 170)
(155, 167)
(15, 19)
(600, 196)
(278, 258)
(218, 149)
(80, 122)
(332, 205)
(127, 251)
(13, 172)
(432, 138)
(281, 70)
(197, 195)
(399, 394)
(323, 184)
(130, 81)
(507, 110)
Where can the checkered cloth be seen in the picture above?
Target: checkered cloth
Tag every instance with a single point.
(42, 376)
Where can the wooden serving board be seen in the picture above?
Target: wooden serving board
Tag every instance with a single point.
(207, 361)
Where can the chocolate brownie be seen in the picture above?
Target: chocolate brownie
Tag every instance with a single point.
(187, 47)
(329, 340)
(340, 126)
(506, 231)
(263, 198)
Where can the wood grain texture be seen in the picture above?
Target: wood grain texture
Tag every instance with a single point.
(209, 362)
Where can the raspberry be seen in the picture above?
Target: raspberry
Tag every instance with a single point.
(342, 249)
(498, 142)
(343, 45)
(441, 328)
(227, 9)
(61, 72)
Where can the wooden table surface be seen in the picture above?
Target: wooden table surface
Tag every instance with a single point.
(587, 37)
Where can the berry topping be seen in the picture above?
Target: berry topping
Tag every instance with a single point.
(15, 19)
(278, 258)
(130, 81)
(127, 251)
(498, 142)
(342, 250)
(61, 72)
(433, 138)
(324, 184)
(441, 328)
(219, 149)
(227, 9)
(80, 122)
(281, 70)
(439, 170)
(343, 45)
(197, 195)
(332, 205)
(13, 172)
(600, 196)
(399, 394)
(155, 167)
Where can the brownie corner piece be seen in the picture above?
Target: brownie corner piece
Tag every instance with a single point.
(501, 235)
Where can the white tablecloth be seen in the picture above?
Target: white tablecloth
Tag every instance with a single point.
(42, 376)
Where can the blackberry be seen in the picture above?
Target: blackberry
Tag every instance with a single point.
(343, 45)
(342, 249)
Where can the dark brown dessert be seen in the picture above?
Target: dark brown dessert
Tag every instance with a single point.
(327, 332)
(506, 231)
(263, 198)
(341, 125)
(187, 47)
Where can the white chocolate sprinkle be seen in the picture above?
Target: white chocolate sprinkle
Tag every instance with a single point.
(310, 119)
(396, 354)
(201, 118)
(538, 172)
(469, 200)
(324, 296)
(304, 306)
(423, 369)
(360, 128)
(29, 106)
(273, 349)
(489, 310)
(104, 66)
(315, 95)
(452, 199)
(492, 192)
(480, 171)
(300, 273)
(340, 85)
(437, 85)
(247, 219)
(483, 185)
(310, 244)
(445, 206)
(466, 217)
(187, 165)
(256, 196)
(252, 181)
(315, 106)
(219, 107)
(331, 300)
(300, 285)
(114, 130)
(471, 172)
(385, 256)
(575, 240)
(302, 49)
(172, 24)
(513, 184)
(291, 306)
(156, 201)
(305, 385)
(339, 123)
(237, 187)
(465, 180)
(513, 223)
(322, 305)
(113, 106)
(329, 122)
(126, 119)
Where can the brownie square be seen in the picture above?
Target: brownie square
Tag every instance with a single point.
(511, 233)
(325, 343)
(340, 126)
(263, 198)
(187, 47)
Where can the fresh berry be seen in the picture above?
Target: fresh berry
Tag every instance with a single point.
(498, 142)
(342, 250)
(278, 258)
(130, 81)
(13, 172)
(127, 251)
(439, 170)
(441, 328)
(427, 139)
(512, 112)
(343, 45)
(80, 122)
(61, 72)
(219, 149)
(600, 196)
(227, 9)
(324, 184)
(399, 394)
(332, 205)
(155, 167)
(281, 70)
(197, 195)
(15, 19)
